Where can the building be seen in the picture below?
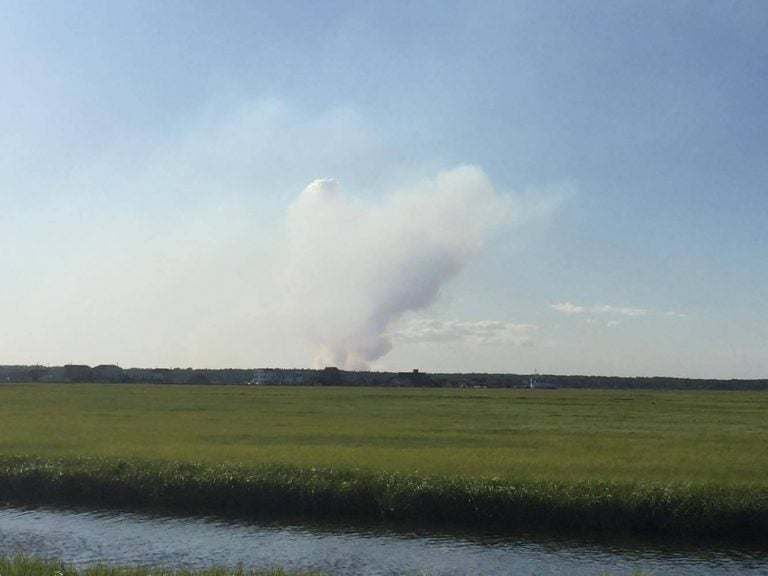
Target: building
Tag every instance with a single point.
(78, 373)
(108, 373)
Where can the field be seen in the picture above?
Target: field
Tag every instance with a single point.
(700, 437)
(694, 461)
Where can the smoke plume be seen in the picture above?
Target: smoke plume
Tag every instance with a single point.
(354, 269)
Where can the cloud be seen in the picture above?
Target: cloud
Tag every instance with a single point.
(674, 314)
(468, 332)
(571, 309)
(619, 310)
(568, 308)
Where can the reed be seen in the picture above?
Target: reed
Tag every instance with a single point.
(687, 510)
(31, 566)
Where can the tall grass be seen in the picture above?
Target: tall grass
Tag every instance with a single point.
(585, 507)
(30, 566)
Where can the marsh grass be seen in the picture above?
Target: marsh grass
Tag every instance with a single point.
(678, 463)
(586, 507)
(559, 435)
(30, 566)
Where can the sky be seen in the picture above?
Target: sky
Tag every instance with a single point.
(570, 187)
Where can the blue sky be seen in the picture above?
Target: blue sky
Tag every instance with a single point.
(150, 152)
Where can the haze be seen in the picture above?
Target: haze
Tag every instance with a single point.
(569, 187)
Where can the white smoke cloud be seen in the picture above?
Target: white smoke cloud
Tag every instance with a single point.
(353, 269)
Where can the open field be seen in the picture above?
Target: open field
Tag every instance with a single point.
(691, 461)
(700, 437)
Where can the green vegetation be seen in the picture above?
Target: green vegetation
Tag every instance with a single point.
(28, 566)
(568, 435)
(639, 462)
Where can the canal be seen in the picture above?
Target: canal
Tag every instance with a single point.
(84, 537)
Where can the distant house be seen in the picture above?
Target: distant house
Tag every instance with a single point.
(78, 373)
(150, 375)
(107, 373)
(161, 375)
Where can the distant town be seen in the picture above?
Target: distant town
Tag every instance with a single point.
(331, 376)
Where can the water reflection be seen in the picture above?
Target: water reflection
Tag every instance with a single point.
(85, 537)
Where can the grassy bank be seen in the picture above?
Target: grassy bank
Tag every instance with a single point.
(683, 463)
(28, 566)
(582, 507)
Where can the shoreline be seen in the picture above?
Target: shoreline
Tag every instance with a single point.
(683, 511)
(23, 565)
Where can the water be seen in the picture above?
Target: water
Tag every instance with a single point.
(112, 537)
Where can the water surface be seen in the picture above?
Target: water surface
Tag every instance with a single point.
(83, 537)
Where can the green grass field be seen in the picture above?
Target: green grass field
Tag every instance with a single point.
(682, 463)
(574, 435)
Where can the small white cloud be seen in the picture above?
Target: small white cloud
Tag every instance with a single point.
(674, 314)
(470, 332)
(612, 323)
(568, 308)
(620, 310)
